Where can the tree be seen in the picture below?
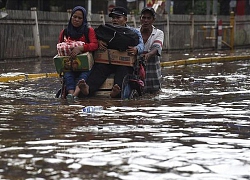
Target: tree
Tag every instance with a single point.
(186, 7)
(181, 6)
(12, 4)
(2, 3)
(200, 7)
(224, 7)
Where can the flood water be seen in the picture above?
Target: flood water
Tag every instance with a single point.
(197, 128)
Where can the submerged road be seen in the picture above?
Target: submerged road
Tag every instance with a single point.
(16, 71)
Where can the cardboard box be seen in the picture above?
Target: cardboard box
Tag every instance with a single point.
(111, 56)
(108, 84)
(83, 62)
(106, 87)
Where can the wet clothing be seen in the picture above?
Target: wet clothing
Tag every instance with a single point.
(90, 46)
(72, 78)
(139, 46)
(78, 34)
(153, 65)
(100, 72)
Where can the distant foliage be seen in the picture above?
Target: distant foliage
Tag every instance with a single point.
(2, 3)
(200, 7)
(186, 7)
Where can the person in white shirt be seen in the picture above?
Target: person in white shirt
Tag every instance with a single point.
(153, 41)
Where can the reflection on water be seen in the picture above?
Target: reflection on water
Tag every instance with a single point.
(196, 128)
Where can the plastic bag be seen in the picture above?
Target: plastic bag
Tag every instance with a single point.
(65, 48)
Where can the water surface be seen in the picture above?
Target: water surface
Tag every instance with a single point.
(197, 127)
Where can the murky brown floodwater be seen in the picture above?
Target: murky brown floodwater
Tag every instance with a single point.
(197, 128)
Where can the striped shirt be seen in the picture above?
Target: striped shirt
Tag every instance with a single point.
(153, 65)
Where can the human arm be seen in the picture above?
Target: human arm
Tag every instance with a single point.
(102, 45)
(92, 45)
(138, 49)
(155, 46)
(149, 54)
(61, 38)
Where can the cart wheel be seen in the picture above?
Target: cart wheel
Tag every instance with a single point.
(58, 93)
(134, 94)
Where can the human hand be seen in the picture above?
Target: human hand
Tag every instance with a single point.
(150, 54)
(146, 56)
(132, 50)
(75, 51)
(102, 45)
